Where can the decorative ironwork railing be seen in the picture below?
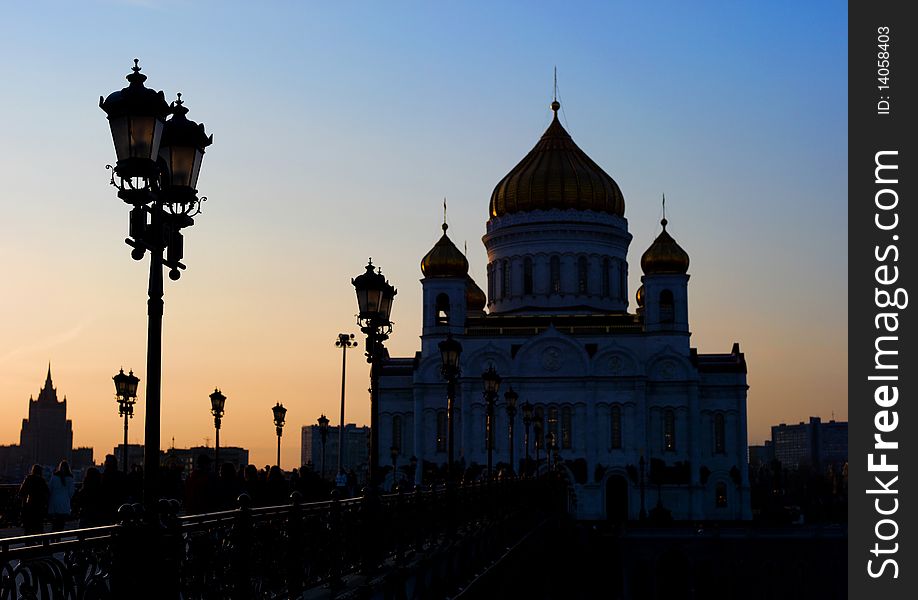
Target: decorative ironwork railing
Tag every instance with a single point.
(268, 552)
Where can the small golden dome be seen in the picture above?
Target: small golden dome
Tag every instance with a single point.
(475, 298)
(444, 259)
(639, 296)
(664, 256)
(556, 174)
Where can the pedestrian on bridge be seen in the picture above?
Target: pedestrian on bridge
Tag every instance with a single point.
(34, 496)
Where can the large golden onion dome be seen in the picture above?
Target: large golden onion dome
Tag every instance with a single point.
(556, 174)
(664, 256)
(444, 259)
(475, 299)
(639, 297)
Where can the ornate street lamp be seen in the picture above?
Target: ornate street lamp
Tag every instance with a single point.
(511, 397)
(323, 432)
(126, 391)
(344, 341)
(280, 413)
(450, 350)
(374, 302)
(527, 421)
(491, 382)
(157, 168)
(217, 400)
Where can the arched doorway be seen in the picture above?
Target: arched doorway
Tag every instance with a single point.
(617, 498)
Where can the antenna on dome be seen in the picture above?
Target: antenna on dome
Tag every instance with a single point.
(664, 221)
(555, 97)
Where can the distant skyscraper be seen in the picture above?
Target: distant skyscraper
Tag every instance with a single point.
(815, 444)
(355, 448)
(47, 435)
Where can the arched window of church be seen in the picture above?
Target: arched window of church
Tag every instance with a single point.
(505, 279)
(566, 422)
(582, 275)
(667, 309)
(441, 431)
(397, 432)
(491, 284)
(616, 426)
(527, 275)
(553, 421)
(554, 266)
(442, 309)
(538, 422)
(669, 430)
(720, 495)
(606, 291)
(719, 434)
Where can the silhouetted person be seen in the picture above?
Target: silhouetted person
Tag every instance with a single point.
(90, 500)
(253, 486)
(277, 490)
(113, 487)
(61, 491)
(133, 484)
(34, 494)
(200, 488)
(228, 487)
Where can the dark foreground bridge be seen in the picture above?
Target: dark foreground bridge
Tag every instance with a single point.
(422, 544)
(511, 539)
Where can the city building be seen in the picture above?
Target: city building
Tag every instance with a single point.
(815, 444)
(636, 411)
(47, 434)
(761, 455)
(46, 438)
(355, 448)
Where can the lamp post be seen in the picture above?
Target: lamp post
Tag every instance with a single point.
(643, 513)
(450, 350)
(491, 383)
(511, 397)
(344, 341)
(280, 413)
(393, 454)
(217, 401)
(537, 429)
(126, 390)
(156, 173)
(527, 421)
(549, 447)
(323, 432)
(374, 301)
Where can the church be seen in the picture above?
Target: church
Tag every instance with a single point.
(639, 421)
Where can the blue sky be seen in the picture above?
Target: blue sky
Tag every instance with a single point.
(339, 128)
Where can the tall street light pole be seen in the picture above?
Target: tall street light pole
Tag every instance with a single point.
(491, 381)
(280, 413)
(126, 390)
(511, 397)
(450, 350)
(527, 421)
(323, 433)
(344, 341)
(217, 402)
(156, 173)
(374, 302)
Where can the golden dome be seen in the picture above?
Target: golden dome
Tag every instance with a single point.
(444, 259)
(475, 298)
(639, 296)
(664, 256)
(556, 174)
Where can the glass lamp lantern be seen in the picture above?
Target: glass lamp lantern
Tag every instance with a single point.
(280, 413)
(217, 402)
(491, 381)
(450, 349)
(181, 154)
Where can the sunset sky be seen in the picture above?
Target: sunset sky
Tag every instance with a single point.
(339, 128)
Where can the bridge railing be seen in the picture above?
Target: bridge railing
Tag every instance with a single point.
(257, 552)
